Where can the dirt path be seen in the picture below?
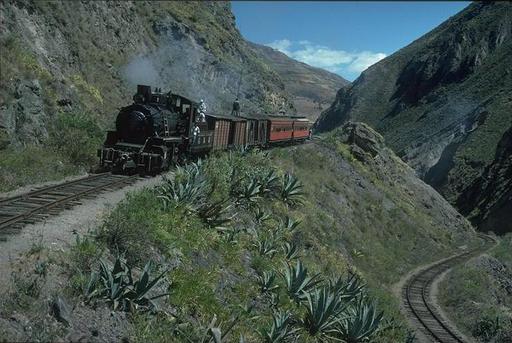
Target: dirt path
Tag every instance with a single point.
(58, 232)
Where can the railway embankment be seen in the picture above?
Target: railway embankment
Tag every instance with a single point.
(226, 251)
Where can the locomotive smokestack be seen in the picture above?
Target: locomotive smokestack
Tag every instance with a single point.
(144, 91)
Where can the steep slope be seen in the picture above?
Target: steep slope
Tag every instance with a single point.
(87, 56)
(488, 201)
(67, 66)
(443, 102)
(311, 89)
(362, 212)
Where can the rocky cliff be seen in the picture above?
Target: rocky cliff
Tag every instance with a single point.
(311, 89)
(443, 102)
(70, 56)
(488, 200)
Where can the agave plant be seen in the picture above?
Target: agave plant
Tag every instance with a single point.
(118, 288)
(288, 225)
(291, 190)
(347, 289)
(323, 311)
(360, 323)
(261, 216)
(269, 183)
(298, 282)
(187, 187)
(280, 330)
(229, 233)
(265, 245)
(266, 281)
(290, 250)
(249, 192)
(215, 214)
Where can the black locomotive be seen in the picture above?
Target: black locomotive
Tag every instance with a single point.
(162, 129)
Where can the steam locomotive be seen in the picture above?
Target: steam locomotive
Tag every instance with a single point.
(163, 129)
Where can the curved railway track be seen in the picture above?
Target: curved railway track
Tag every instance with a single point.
(419, 304)
(17, 211)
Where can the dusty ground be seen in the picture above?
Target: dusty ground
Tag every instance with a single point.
(58, 232)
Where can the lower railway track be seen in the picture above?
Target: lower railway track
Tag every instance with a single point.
(31, 207)
(419, 305)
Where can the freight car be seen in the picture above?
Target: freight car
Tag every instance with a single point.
(162, 129)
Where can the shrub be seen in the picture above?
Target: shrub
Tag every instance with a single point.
(298, 282)
(76, 136)
(323, 309)
(360, 323)
(118, 288)
(291, 190)
(280, 330)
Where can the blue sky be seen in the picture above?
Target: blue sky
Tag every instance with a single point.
(342, 37)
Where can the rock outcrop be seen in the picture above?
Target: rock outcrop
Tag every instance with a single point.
(443, 102)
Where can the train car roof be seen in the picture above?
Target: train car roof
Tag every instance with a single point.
(224, 116)
(256, 116)
(271, 116)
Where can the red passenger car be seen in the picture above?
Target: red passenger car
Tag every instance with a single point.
(288, 129)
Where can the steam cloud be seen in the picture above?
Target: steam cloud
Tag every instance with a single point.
(141, 70)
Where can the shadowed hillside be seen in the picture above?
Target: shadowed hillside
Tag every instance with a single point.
(443, 102)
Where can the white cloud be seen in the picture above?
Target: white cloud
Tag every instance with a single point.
(365, 59)
(281, 45)
(337, 61)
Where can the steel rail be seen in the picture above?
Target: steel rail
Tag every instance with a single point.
(44, 204)
(51, 187)
(418, 302)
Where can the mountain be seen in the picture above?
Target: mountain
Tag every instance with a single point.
(67, 66)
(88, 56)
(443, 103)
(311, 89)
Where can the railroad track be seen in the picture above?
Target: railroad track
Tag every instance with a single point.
(17, 211)
(419, 304)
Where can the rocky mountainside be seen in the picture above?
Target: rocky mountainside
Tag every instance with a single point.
(443, 103)
(488, 201)
(70, 56)
(311, 89)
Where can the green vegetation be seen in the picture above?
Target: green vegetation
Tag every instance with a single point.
(261, 245)
(476, 298)
(381, 226)
(33, 164)
(118, 287)
(249, 273)
(70, 149)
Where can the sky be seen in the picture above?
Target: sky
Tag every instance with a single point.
(342, 37)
